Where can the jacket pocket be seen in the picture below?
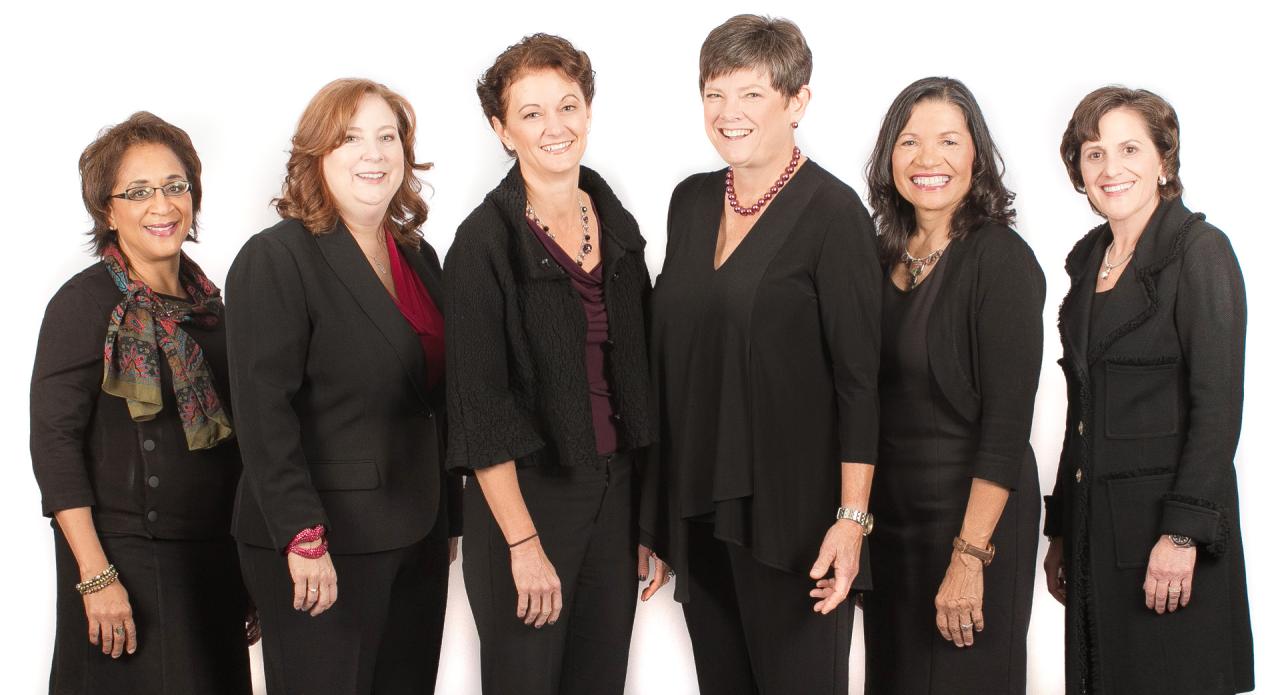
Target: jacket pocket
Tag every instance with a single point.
(344, 475)
(1135, 515)
(1142, 399)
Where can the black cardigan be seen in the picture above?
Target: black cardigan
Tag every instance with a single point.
(517, 337)
(336, 424)
(87, 451)
(985, 343)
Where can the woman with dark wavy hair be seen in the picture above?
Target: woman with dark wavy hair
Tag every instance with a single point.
(960, 362)
(337, 364)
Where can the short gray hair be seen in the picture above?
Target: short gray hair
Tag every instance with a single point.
(753, 42)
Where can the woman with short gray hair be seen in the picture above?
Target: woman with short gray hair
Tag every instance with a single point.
(765, 346)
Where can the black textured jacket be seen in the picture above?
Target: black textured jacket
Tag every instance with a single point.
(517, 337)
(1153, 419)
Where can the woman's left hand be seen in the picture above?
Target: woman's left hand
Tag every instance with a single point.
(1169, 570)
(841, 548)
(959, 600)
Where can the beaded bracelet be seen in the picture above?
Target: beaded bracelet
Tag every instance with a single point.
(99, 581)
(308, 535)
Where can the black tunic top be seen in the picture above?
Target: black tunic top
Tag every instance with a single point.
(765, 368)
(87, 451)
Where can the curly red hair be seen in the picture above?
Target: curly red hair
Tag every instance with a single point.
(305, 197)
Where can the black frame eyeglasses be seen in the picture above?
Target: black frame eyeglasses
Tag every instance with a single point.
(171, 189)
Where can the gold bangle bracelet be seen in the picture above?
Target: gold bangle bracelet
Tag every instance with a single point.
(99, 581)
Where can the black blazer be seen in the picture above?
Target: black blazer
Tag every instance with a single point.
(335, 421)
(517, 337)
(985, 343)
(1153, 417)
(87, 451)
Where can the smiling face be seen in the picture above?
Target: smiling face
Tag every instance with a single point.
(933, 158)
(748, 121)
(150, 230)
(546, 123)
(1122, 168)
(366, 169)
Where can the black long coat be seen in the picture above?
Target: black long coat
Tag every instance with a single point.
(1153, 420)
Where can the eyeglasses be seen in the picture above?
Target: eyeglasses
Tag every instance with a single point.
(172, 189)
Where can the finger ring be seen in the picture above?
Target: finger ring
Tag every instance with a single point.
(967, 626)
(313, 591)
(671, 573)
(118, 630)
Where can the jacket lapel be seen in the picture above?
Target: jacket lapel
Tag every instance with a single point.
(348, 262)
(1135, 301)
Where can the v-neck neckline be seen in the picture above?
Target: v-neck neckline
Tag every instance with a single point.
(722, 222)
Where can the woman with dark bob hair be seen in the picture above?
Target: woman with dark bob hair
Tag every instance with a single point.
(132, 441)
(548, 389)
(1153, 349)
(766, 336)
(957, 497)
(337, 366)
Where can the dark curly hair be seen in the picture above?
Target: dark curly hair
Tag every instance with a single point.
(100, 162)
(532, 53)
(1156, 113)
(987, 200)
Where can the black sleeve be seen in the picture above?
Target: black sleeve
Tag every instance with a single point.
(486, 425)
(64, 388)
(268, 333)
(847, 281)
(1053, 502)
(1210, 318)
(1010, 334)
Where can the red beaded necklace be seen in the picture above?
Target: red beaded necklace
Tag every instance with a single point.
(768, 195)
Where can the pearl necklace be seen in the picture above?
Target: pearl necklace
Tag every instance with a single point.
(586, 229)
(732, 195)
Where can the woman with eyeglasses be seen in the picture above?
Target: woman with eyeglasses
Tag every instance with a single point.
(132, 439)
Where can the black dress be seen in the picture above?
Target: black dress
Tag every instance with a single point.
(919, 498)
(162, 512)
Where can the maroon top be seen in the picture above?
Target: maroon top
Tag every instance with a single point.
(590, 289)
(418, 309)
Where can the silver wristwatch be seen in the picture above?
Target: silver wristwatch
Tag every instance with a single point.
(1181, 541)
(859, 517)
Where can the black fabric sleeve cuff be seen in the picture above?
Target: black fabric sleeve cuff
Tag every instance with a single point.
(1201, 520)
(1052, 516)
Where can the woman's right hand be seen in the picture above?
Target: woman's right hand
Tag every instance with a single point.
(538, 598)
(315, 582)
(1055, 570)
(111, 620)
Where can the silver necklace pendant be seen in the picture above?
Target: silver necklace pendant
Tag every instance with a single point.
(586, 246)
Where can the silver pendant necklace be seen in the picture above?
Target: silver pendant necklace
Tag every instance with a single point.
(586, 228)
(916, 266)
(1108, 266)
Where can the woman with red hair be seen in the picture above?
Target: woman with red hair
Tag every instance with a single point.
(337, 352)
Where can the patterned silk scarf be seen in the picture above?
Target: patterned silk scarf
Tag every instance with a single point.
(143, 325)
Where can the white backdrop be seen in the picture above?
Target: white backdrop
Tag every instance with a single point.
(236, 78)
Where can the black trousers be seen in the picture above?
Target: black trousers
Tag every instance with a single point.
(586, 525)
(753, 628)
(381, 637)
(188, 605)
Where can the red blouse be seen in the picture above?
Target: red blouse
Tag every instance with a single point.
(419, 310)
